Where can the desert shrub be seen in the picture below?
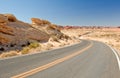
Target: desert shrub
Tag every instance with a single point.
(54, 38)
(108, 35)
(25, 50)
(66, 37)
(34, 45)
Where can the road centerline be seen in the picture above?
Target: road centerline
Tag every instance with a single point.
(46, 66)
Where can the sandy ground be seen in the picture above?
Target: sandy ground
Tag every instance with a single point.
(110, 36)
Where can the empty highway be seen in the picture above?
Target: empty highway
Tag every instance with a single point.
(87, 59)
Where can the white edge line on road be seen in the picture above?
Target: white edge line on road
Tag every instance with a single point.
(118, 59)
(116, 54)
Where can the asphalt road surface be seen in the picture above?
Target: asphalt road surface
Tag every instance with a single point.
(88, 59)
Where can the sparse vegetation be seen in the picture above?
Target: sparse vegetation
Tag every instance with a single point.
(17, 35)
(109, 35)
(27, 49)
(34, 45)
(54, 38)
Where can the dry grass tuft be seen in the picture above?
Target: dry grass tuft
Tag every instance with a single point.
(9, 54)
(54, 38)
(27, 49)
(34, 45)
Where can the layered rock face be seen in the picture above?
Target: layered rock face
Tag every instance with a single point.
(15, 34)
(40, 22)
(3, 19)
(47, 27)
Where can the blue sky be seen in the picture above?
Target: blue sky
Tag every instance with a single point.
(65, 12)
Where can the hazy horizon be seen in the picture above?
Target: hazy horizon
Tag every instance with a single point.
(66, 12)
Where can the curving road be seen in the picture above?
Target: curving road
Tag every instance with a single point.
(88, 59)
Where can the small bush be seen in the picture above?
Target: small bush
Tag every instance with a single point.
(25, 50)
(34, 45)
(54, 38)
(66, 37)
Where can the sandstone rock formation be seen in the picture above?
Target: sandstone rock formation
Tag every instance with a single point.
(47, 27)
(37, 21)
(3, 19)
(15, 34)
(10, 17)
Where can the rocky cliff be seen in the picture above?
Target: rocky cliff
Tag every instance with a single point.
(51, 29)
(15, 34)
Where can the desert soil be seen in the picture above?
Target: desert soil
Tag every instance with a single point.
(110, 36)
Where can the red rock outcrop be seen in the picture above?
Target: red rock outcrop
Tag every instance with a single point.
(3, 19)
(10, 17)
(37, 21)
(47, 27)
(15, 33)
(6, 30)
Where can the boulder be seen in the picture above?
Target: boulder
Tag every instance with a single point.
(37, 21)
(10, 17)
(15, 34)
